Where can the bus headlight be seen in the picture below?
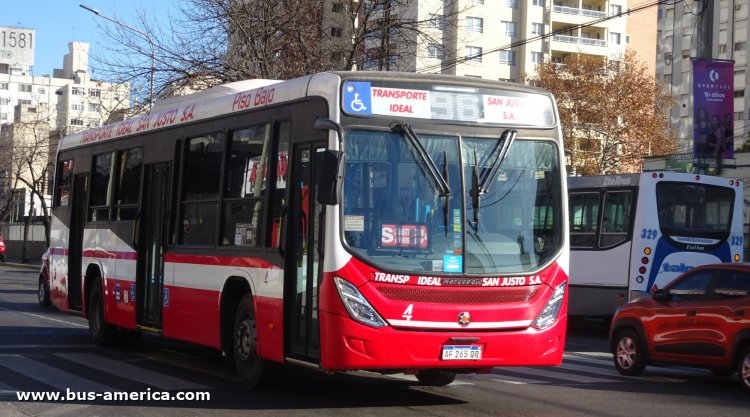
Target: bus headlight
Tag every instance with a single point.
(359, 309)
(550, 311)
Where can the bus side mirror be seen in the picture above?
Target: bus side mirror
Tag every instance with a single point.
(661, 295)
(331, 165)
(330, 177)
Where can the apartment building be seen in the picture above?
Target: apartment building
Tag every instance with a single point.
(36, 109)
(712, 29)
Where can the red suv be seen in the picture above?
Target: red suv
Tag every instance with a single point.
(701, 319)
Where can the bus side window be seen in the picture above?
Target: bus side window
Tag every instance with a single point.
(584, 219)
(616, 219)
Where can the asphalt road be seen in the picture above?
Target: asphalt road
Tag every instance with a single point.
(45, 351)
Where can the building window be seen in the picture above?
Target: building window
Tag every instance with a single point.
(740, 115)
(507, 80)
(476, 1)
(23, 101)
(473, 53)
(615, 9)
(93, 122)
(24, 88)
(508, 57)
(722, 49)
(336, 32)
(337, 7)
(668, 78)
(474, 24)
(538, 3)
(3, 86)
(739, 93)
(686, 54)
(512, 3)
(614, 38)
(41, 90)
(94, 107)
(740, 46)
(435, 51)
(78, 91)
(509, 28)
(76, 106)
(4, 101)
(3, 117)
(95, 92)
(537, 57)
(76, 122)
(537, 28)
(436, 21)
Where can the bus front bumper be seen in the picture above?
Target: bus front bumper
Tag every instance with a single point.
(348, 345)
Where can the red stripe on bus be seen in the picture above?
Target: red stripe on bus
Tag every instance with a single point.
(104, 254)
(219, 261)
(58, 251)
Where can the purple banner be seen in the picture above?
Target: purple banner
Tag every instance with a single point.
(713, 109)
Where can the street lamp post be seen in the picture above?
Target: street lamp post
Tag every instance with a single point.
(144, 36)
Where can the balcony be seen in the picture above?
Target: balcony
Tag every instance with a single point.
(579, 41)
(578, 12)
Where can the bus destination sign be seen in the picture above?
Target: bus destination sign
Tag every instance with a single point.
(470, 104)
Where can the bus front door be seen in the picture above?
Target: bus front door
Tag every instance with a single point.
(75, 244)
(151, 244)
(303, 267)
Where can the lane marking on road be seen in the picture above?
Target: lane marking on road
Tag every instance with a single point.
(43, 317)
(132, 372)
(50, 375)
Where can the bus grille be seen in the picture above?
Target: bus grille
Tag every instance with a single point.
(457, 295)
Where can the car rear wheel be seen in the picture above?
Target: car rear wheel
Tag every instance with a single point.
(744, 369)
(435, 377)
(629, 357)
(43, 292)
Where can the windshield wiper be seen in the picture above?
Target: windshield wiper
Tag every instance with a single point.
(479, 187)
(504, 145)
(439, 180)
(432, 169)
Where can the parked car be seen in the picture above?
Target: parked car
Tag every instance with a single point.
(3, 250)
(700, 319)
(43, 291)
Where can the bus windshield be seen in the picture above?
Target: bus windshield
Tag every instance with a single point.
(694, 210)
(397, 218)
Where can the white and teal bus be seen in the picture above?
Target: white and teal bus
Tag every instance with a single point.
(632, 232)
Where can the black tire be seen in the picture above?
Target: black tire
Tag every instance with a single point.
(629, 355)
(43, 292)
(4, 257)
(100, 332)
(248, 364)
(743, 368)
(435, 377)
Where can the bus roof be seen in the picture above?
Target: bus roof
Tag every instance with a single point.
(245, 95)
(634, 180)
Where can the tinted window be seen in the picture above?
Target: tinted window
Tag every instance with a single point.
(732, 284)
(101, 187)
(692, 286)
(201, 185)
(616, 217)
(64, 181)
(584, 219)
(694, 209)
(129, 183)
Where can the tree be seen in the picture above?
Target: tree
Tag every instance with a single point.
(613, 114)
(210, 42)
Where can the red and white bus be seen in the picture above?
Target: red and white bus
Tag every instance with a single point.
(382, 221)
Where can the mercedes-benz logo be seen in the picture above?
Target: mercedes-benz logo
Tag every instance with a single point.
(464, 318)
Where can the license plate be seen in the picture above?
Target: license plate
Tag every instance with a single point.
(454, 353)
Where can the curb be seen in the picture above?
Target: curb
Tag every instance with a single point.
(20, 265)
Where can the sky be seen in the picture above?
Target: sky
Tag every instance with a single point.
(58, 22)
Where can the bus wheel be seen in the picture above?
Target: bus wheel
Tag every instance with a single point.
(43, 293)
(629, 357)
(100, 332)
(435, 377)
(246, 360)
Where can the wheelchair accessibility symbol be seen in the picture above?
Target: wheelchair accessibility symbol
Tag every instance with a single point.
(357, 104)
(357, 98)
